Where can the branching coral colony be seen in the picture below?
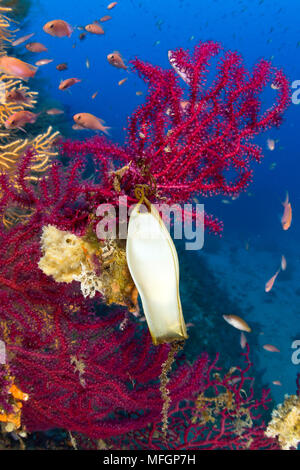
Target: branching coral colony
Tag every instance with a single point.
(96, 372)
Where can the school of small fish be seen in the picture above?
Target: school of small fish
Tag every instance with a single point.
(286, 220)
(57, 28)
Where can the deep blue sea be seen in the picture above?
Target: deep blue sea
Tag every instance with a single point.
(250, 249)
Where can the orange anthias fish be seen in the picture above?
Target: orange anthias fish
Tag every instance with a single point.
(271, 144)
(19, 119)
(94, 28)
(105, 18)
(36, 47)
(89, 121)
(65, 84)
(286, 218)
(62, 66)
(237, 322)
(58, 28)
(22, 39)
(54, 111)
(43, 62)
(283, 263)
(111, 5)
(243, 340)
(17, 68)
(116, 60)
(16, 96)
(271, 281)
(122, 81)
(270, 348)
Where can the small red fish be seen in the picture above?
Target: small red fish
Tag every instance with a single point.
(58, 28)
(111, 5)
(61, 67)
(237, 322)
(286, 218)
(271, 144)
(105, 18)
(89, 121)
(19, 119)
(17, 68)
(65, 84)
(36, 47)
(271, 348)
(283, 263)
(94, 28)
(270, 282)
(243, 341)
(116, 60)
(43, 62)
(276, 382)
(22, 39)
(16, 96)
(122, 81)
(54, 111)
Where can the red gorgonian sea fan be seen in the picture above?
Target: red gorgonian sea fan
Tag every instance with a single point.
(225, 414)
(82, 371)
(195, 139)
(85, 373)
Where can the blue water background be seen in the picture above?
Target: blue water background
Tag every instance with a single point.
(249, 252)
